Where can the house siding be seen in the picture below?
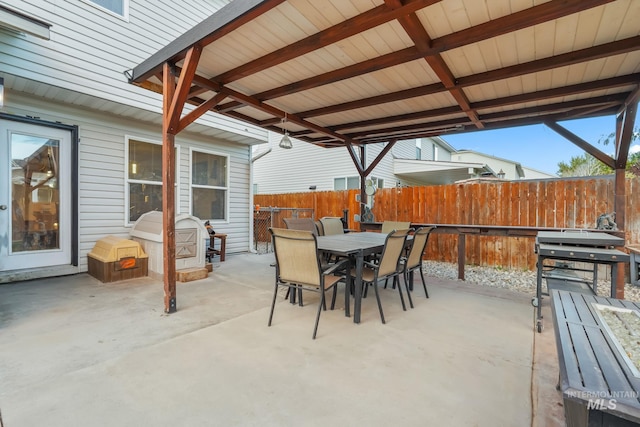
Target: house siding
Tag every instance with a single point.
(295, 170)
(90, 50)
(102, 183)
(78, 78)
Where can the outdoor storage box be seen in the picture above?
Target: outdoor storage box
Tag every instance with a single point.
(114, 258)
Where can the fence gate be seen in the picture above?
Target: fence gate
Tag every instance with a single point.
(264, 218)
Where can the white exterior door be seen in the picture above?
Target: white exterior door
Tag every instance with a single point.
(35, 196)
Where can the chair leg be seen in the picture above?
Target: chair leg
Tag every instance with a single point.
(406, 286)
(333, 298)
(300, 296)
(273, 304)
(322, 303)
(424, 285)
(395, 279)
(379, 304)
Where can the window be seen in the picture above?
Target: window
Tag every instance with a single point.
(347, 183)
(209, 186)
(418, 153)
(353, 182)
(144, 178)
(119, 7)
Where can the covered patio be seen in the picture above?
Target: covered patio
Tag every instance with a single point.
(347, 74)
(90, 353)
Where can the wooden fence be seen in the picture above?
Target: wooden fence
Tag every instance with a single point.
(558, 203)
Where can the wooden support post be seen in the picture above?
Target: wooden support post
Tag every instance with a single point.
(619, 205)
(624, 132)
(462, 244)
(168, 193)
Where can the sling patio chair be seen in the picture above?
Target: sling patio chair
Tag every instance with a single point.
(299, 267)
(388, 267)
(332, 225)
(389, 226)
(306, 224)
(413, 261)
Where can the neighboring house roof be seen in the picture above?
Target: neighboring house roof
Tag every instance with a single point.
(444, 144)
(468, 154)
(431, 172)
(530, 173)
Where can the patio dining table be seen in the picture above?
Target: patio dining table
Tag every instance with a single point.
(356, 246)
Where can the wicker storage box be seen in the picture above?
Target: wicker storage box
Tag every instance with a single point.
(114, 258)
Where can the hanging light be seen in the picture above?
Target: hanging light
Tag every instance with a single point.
(285, 142)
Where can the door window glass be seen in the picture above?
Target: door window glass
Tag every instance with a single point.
(35, 195)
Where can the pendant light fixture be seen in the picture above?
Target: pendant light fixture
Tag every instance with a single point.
(285, 142)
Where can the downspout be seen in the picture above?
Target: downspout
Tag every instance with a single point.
(251, 204)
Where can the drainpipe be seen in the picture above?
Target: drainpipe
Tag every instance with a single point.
(253, 159)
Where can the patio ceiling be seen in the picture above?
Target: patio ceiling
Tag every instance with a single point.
(356, 72)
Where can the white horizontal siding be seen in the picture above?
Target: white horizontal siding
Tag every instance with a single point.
(295, 170)
(92, 42)
(90, 49)
(102, 185)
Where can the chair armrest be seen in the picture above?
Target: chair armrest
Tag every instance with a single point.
(337, 266)
(370, 264)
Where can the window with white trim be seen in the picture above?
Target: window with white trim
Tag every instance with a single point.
(209, 185)
(118, 7)
(144, 178)
(353, 182)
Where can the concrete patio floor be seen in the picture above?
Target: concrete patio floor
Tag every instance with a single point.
(78, 352)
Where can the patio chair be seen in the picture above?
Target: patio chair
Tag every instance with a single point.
(413, 261)
(319, 228)
(332, 225)
(389, 226)
(299, 267)
(306, 224)
(389, 266)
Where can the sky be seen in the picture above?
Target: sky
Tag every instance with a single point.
(538, 146)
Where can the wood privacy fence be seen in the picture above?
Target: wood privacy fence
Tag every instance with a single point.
(558, 203)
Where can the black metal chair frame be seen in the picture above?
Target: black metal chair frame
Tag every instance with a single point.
(305, 280)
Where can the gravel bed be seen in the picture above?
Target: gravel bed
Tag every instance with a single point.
(521, 281)
(625, 326)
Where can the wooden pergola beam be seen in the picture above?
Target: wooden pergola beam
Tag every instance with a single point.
(182, 90)
(623, 138)
(526, 18)
(498, 102)
(624, 132)
(583, 55)
(604, 158)
(168, 191)
(358, 24)
(416, 31)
